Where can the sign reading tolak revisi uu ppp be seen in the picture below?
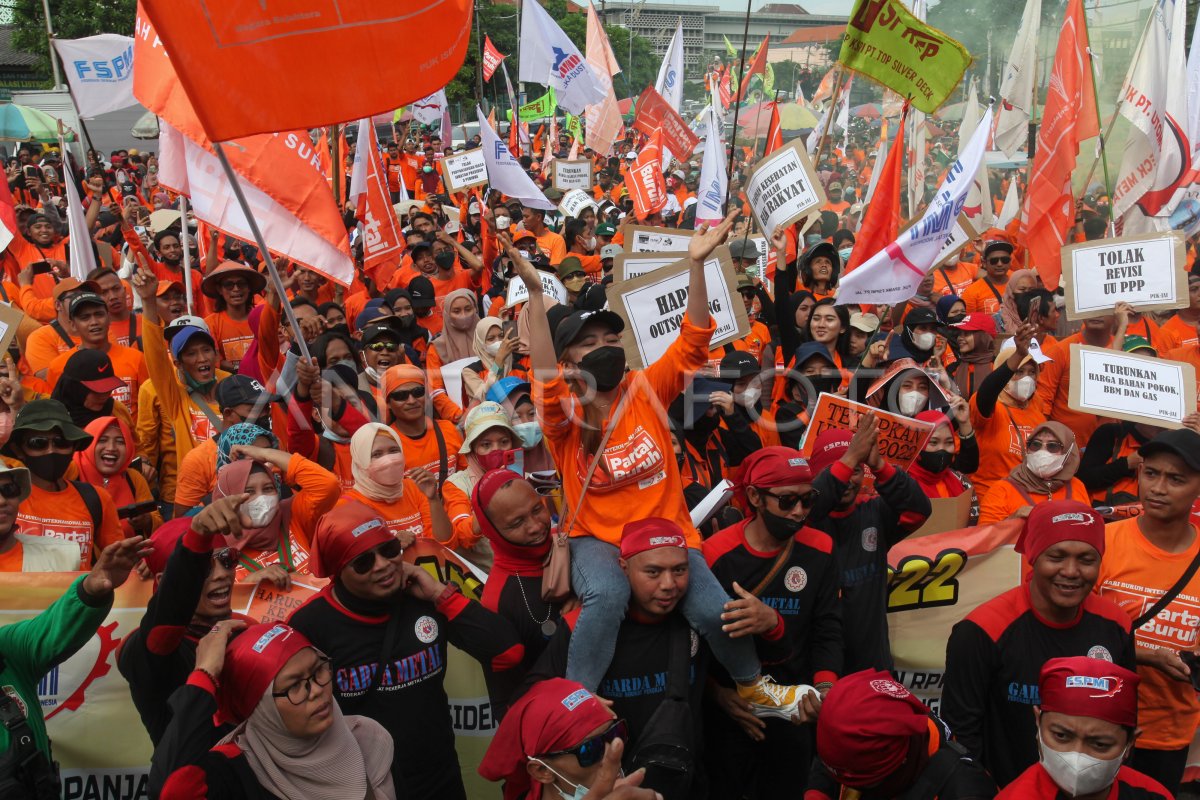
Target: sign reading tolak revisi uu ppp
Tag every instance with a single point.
(783, 188)
(653, 307)
(1134, 388)
(1148, 272)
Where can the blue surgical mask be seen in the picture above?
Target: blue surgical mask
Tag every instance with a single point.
(844, 254)
(580, 791)
(530, 433)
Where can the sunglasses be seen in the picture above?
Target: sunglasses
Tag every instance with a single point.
(1001, 260)
(46, 442)
(362, 564)
(379, 347)
(401, 395)
(1051, 447)
(234, 285)
(788, 501)
(590, 751)
(9, 490)
(227, 557)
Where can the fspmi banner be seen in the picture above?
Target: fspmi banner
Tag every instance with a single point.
(100, 72)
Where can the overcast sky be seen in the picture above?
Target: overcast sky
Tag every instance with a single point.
(842, 7)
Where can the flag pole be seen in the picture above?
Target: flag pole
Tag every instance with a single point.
(737, 104)
(1112, 225)
(833, 101)
(335, 158)
(236, 185)
(185, 234)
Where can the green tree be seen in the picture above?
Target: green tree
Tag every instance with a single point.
(72, 19)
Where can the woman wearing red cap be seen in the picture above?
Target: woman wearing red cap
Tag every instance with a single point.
(994, 655)
(1086, 729)
(291, 740)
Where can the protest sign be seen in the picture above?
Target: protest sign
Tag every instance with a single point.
(574, 202)
(964, 233)
(551, 285)
(1148, 272)
(766, 256)
(11, 318)
(627, 266)
(572, 175)
(885, 42)
(656, 114)
(783, 189)
(653, 306)
(644, 239)
(539, 108)
(900, 438)
(947, 514)
(464, 170)
(1144, 389)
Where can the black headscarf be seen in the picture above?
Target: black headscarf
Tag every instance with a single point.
(72, 394)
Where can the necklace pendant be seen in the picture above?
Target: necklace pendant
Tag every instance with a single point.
(549, 627)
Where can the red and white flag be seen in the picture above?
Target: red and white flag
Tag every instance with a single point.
(383, 240)
(645, 179)
(491, 58)
(604, 118)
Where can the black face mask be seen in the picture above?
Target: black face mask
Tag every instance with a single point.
(49, 466)
(955, 319)
(781, 528)
(406, 320)
(606, 365)
(935, 460)
(444, 260)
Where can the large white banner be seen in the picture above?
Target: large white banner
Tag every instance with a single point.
(99, 71)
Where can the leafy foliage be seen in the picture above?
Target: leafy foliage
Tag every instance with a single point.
(72, 19)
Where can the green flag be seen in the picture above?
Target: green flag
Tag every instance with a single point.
(729, 48)
(885, 42)
(574, 127)
(541, 108)
(768, 83)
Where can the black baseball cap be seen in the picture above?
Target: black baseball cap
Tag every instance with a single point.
(1183, 442)
(739, 364)
(237, 390)
(920, 316)
(86, 299)
(996, 245)
(382, 326)
(94, 370)
(568, 330)
(420, 291)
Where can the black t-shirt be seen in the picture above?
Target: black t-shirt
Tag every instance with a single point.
(530, 616)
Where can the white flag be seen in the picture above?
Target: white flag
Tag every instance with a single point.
(1016, 90)
(604, 118)
(1157, 161)
(670, 72)
(549, 57)
(1012, 206)
(99, 71)
(428, 110)
(713, 186)
(79, 248)
(360, 173)
(979, 201)
(814, 137)
(504, 171)
(893, 274)
(880, 160)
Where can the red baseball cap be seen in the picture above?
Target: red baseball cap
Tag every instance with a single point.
(830, 446)
(1090, 687)
(1060, 521)
(252, 660)
(977, 322)
(350, 529)
(650, 534)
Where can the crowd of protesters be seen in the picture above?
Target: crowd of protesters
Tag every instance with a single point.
(632, 646)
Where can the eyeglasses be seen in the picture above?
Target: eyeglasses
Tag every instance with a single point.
(362, 564)
(1000, 260)
(1051, 447)
(227, 557)
(234, 284)
(400, 395)
(788, 501)
(299, 691)
(58, 442)
(590, 751)
(379, 347)
(9, 490)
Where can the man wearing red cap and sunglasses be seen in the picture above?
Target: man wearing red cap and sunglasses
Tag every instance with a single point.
(995, 655)
(786, 581)
(1086, 728)
(385, 623)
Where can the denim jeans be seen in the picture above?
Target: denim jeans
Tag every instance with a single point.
(603, 590)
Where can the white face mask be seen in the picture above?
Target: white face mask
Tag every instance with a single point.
(1045, 464)
(912, 402)
(261, 509)
(590, 244)
(372, 374)
(1023, 388)
(493, 347)
(924, 341)
(1078, 773)
(748, 397)
(580, 791)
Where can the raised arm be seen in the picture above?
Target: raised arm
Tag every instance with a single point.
(541, 343)
(700, 247)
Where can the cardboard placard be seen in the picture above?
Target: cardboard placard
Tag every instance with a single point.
(10, 320)
(627, 266)
(963, 234)
(1124, 386)
(464, 170)
(573, 175)
(901, 438)
(551, 285)
(948, 514)
(646, 239)
(653, 307)
(1149, 272)
(783, 188)
(574, 202)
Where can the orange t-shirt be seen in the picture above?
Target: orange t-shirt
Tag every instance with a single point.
(1134, 574)
(393, 167)
(637, 470)
(1188, 353)
(553, 246)
(409, 513)
(119, 330)
(128, 364)
(14, 559)
(197, 475)
(458, 508)
(43, 346)
(961, 274)
(1001, 439)
(979, 297)
(1176, 333)
(1004, 498)
(1053, 389)
(423, 453)
(233, 337)
(64, 515)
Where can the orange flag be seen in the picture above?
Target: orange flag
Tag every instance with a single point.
(881, 224)
(323, 155)
(383, 241)
(248, 67)
(645, 179)
(759, 66)
(1069, 118)
(774, 131)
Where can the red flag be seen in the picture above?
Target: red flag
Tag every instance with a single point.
(645, 179)
(655, 114)
(491, 58)
(383, 241)
(248, 67)
(323, 155)
(758, 66)
(514, 137)
(881, 224)
(774, 130)
(724, 91)
(1069, 118)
